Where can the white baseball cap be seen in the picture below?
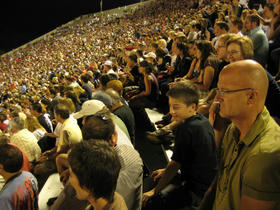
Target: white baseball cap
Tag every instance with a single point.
(89, 107)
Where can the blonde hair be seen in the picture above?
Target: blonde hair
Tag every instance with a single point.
(31, 123)
(68, 103)
(246, 45)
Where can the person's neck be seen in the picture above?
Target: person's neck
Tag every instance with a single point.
(99, 203)
(116, 106)
(244, 124)
(7, 175)
(61, 120)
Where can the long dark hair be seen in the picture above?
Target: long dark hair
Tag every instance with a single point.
(182, 46)
(206, 48)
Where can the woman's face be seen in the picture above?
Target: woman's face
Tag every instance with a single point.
(234, 53)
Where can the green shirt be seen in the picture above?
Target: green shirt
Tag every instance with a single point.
(250, 166)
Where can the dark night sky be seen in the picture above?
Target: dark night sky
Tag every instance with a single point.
(22, 21)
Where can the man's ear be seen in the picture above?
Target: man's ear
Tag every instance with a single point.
(114, 138)
(252, 96)
(194, 106)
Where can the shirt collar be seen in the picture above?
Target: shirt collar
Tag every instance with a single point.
(257, 127)
(254, 30)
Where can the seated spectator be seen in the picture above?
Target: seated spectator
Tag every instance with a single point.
(86, 87)
(25, 140)
(123, 112)
(20, 190)
(117, 86)
(37, 111)
(241, 48)
(92, 106)
(220, 27)
(25, 166)
(204, 70)
(32, 124)
(132, 75)
(94, 170)
(194, 154)
(70, 133)
(260, 41)
(145, 97)
(236, 26)
(129, 183)
(250, 154)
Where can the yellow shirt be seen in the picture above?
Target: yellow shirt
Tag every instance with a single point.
(250, 166)
(70, 133)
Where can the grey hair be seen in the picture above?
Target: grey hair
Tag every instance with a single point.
(114, 96)
(18, 123)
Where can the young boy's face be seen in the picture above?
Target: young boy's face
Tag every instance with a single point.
(81, 193)
(179, 110)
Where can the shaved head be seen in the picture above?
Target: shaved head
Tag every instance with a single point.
(247, 74)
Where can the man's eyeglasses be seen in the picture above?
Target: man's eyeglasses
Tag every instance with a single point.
(233, 52)
(222, 92)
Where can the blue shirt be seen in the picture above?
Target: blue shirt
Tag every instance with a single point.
(20, 192)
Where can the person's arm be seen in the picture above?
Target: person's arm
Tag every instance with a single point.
(147, 91)
(190, 72)
(165, 176)
(207, 78)
(248, 203)
(170, 171)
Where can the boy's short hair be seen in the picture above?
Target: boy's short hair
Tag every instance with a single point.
(186, 91)
(97, 167)
(11, 158)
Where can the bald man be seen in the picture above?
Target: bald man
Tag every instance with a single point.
(249, 174)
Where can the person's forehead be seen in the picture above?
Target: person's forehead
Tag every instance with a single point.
(233, 45)
(176, 101)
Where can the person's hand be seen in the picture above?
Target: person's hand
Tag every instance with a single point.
(147, 195)
(179, 79)
(47, 153)
(157, 174)
(64, 176)
(213, 111)
(171, 84)
(43, 158)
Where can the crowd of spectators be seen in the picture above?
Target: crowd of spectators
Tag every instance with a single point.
(117, 65)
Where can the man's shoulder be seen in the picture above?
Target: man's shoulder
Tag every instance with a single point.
(128, 155)
(269, 139)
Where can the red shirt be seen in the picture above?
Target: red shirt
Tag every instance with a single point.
(25, 165)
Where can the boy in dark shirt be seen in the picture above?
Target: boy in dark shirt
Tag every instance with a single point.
(194, 154)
